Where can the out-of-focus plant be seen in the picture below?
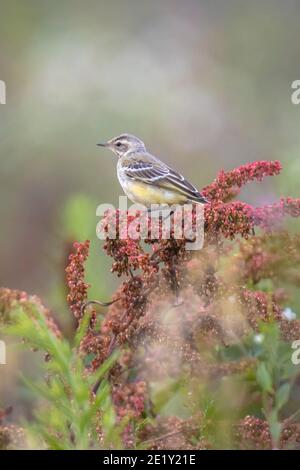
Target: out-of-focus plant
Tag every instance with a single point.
(68, 414)
(203, 337)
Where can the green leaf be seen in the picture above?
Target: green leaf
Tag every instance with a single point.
(263, 378)
(105, 367)
(82, 328)
(282, 395)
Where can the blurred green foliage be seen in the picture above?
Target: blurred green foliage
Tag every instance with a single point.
(67, 414)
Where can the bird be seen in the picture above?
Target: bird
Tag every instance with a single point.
(147, 180)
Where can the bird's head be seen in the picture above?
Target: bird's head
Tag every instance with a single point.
(124, 144)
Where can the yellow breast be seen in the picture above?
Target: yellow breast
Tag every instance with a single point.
(148, 194)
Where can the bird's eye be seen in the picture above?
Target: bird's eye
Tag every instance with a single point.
(118, 144)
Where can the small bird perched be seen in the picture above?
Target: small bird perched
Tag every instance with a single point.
(147, 180)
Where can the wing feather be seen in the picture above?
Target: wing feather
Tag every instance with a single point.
(157, 172)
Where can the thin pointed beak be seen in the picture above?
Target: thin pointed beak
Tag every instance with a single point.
(101, 144)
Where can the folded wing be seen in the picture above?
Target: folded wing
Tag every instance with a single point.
(156, 172)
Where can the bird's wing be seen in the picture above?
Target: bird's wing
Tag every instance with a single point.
(156, 172)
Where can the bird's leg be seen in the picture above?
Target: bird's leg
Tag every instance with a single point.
(168, 215)
(159, 211)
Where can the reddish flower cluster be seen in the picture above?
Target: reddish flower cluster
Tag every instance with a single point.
(130, 399)
(75, 278)
(254, 433)
(259, 258)
(12, 437)
(260, 307)
(269, 216)
(227, 184)
(11, 298)
(229, 220)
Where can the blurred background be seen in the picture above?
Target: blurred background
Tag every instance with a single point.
(206, 85)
